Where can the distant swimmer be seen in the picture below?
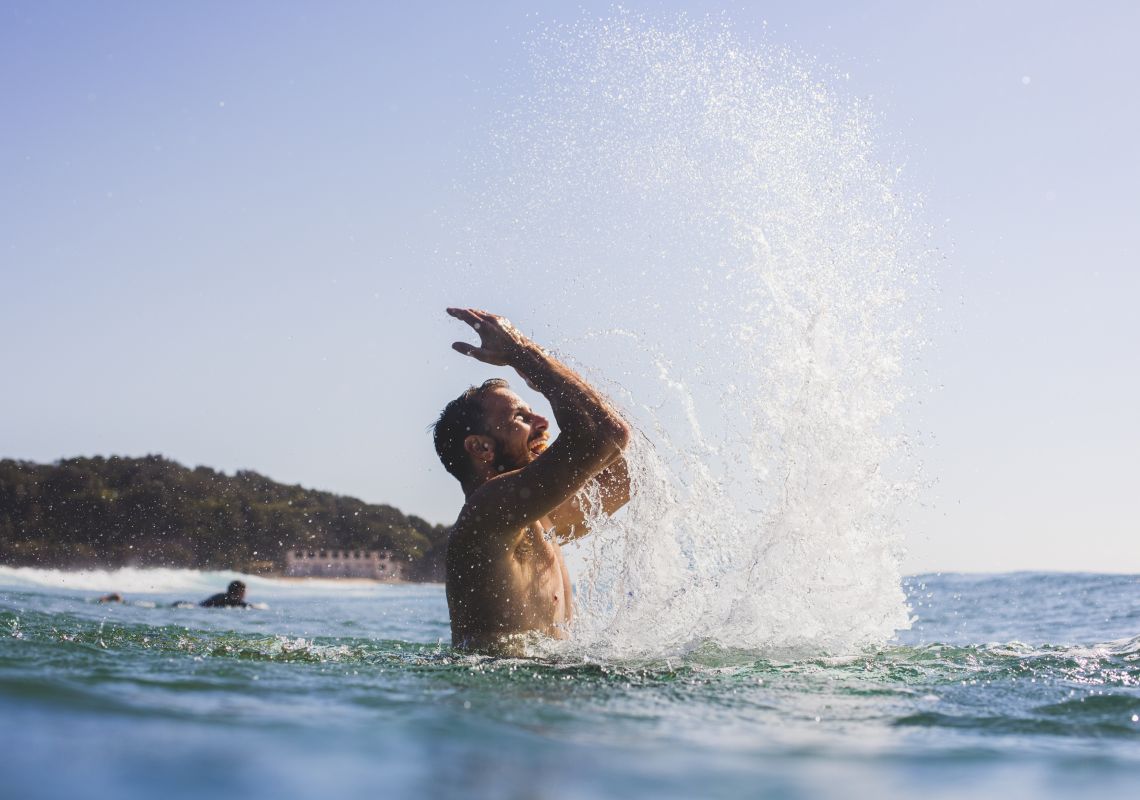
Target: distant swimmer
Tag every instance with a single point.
(505, 571)
(113, 597)
(232, 597)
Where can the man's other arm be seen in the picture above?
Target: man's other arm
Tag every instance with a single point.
(612, 485)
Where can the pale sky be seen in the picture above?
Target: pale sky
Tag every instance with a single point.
(220, 228)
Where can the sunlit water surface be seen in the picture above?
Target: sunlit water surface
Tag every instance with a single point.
(1024, 685)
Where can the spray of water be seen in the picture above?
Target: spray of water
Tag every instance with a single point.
(702, 223)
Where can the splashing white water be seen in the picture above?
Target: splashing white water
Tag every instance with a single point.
(707, 231)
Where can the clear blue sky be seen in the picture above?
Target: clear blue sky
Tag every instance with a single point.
(218, 222)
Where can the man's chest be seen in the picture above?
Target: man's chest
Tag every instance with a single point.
(536, 547)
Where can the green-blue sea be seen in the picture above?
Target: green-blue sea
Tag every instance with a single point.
(1010, 685)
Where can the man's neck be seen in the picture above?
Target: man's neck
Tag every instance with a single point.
(471, 486)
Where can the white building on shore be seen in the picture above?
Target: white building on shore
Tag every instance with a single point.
(379, 565)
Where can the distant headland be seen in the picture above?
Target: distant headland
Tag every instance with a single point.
(83, 513)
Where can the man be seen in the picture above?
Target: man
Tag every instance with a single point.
(233, 596)
(505, 572)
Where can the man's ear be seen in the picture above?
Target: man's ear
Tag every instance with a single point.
(480, 448)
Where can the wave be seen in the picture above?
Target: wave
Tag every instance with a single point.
(138, 580)
(1098, 666)
(132, 580)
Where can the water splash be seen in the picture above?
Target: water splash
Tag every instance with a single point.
(703, 222)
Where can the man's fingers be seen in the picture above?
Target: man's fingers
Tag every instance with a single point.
(495, 333)
(469, 316)
(477, 353)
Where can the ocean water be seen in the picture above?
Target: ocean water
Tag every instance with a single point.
(1011, 685)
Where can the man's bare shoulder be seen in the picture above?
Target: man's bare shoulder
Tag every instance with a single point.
(491, 508)
(478, 526)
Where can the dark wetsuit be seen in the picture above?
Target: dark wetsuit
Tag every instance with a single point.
(222, 600)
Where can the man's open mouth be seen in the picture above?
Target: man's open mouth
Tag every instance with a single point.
(539, 443)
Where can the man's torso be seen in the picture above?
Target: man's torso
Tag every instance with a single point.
(500, 586)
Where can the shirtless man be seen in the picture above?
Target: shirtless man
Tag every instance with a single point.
(505, 573)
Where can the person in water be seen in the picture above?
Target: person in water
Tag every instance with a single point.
(113, 597)
(233, 596)
(505, 571)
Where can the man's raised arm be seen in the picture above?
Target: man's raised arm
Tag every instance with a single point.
(592, 433)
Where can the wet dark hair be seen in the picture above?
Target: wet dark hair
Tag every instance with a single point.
(459, 419)
(235, 587)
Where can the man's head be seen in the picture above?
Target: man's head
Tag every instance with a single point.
(486, 430)
(236, 591)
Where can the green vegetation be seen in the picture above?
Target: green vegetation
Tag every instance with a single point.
(112, 512)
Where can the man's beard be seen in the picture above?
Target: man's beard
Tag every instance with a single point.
(505, 462)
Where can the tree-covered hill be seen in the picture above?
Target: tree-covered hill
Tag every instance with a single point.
(111, 512)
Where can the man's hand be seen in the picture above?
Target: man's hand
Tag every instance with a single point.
(499, 342)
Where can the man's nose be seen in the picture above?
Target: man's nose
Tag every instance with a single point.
(540, 422)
